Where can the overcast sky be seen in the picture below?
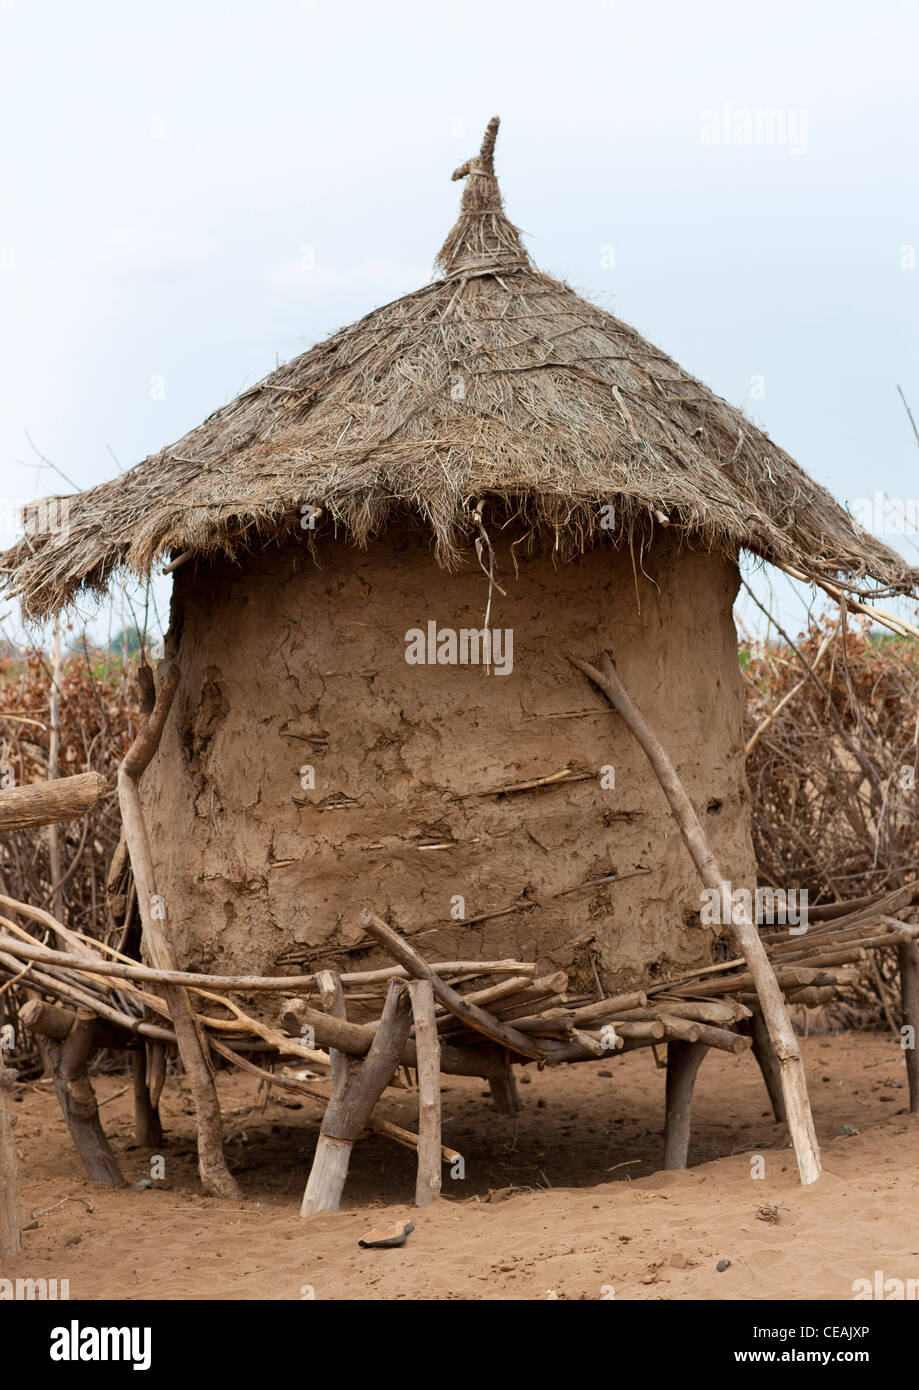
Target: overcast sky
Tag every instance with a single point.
(194, 190)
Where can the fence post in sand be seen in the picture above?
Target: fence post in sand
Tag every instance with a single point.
(10, 1220)
(148, 1130)
(683, 1062)
(427, 1048)
(768, 1063)
(504, 1091)
(78, 1100)
(67, 1039)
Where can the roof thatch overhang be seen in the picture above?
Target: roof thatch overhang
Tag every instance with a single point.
(493, 382)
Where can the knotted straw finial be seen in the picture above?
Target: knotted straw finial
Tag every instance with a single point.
(483, 241)
(485, 163)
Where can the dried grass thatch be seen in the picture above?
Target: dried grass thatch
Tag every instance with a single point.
(493, 381)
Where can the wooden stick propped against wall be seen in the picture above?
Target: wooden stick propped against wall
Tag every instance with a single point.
(794, 1083)
(477, 1018)
(215, 1175)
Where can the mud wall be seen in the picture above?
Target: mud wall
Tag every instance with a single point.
(287, 666)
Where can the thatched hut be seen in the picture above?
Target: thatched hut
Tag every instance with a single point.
(492, 456)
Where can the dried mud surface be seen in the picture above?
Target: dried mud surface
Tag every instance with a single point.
(286, 665)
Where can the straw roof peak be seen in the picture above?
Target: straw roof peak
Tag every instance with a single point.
(482, 241)
(495, 381)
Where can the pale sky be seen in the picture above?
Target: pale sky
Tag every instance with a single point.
(192, 191)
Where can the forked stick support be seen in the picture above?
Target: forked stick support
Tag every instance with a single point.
(353, 1097)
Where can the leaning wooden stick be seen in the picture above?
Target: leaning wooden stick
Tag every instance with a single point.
(215, 1175)
(794, 1083)
(472, 1014)
(427, 1186)
(69, 1064)
(10, 1220)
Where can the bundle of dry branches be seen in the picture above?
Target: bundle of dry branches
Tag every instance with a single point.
(834, 772)
(96, 720)
(98, 716)
(833, 765)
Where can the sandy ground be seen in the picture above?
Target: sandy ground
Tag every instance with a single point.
(565, 1202)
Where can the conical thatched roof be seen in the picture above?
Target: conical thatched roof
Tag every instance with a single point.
(494, 381)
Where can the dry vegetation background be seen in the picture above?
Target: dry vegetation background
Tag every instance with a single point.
(98, 717)
(832, 725)
(832, 728)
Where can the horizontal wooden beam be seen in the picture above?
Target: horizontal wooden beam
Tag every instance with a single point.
(47, 803)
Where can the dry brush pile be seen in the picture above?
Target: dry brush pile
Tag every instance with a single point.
(97, 703)
(833, 767)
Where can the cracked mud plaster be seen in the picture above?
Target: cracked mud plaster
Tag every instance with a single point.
(285, 665)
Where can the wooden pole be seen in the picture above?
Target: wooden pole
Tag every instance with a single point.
(68, 1063)
(723, 1038)
(356, 1039)
(54, 751)
(45, 803)
(332, 999)
(329, 1170)
(768, 1064)
(10, 1220)
(427, 1186)
(50, 1020)
(472, 1014)
(794, 1082)
(909, 999)
(216, 1177)
(681, 1029)
(276, 984)
(148, 1129)
(683, 1062)
(618, 1006)
(504, 1091)
(349, 1108)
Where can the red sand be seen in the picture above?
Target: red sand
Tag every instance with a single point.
(609, 1220)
